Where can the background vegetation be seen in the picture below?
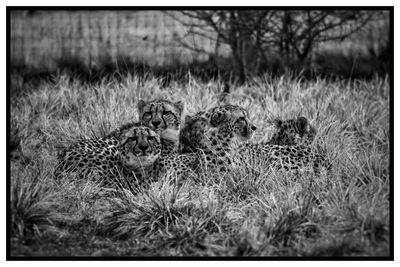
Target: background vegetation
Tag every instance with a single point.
(231, 45)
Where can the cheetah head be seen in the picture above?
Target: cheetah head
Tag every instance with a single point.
(164, 117)
(232, 120)
(293, 132)
(161, 115)
(139, 147)
(215, 128)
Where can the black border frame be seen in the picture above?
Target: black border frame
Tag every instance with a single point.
(156, 258)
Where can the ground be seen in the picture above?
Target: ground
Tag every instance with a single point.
(261, 213)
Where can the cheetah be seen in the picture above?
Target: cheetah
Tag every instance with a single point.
(208, 134)
(221, 134)
(296, 131)
(194, 129)
(130, 150)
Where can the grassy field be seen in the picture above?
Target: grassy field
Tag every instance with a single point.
(272, 213)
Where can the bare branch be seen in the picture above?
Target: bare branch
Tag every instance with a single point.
(293, 32)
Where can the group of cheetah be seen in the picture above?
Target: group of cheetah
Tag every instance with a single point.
(162, 141)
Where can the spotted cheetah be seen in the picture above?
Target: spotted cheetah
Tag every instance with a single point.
(194, 129)
(220, 132)
(132, 150)
(292, 132)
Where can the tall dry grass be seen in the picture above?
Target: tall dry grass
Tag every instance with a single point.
(262, 213)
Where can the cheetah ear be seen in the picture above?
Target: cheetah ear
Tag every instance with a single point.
(217, 118)
(123, 137)
(277, 123)
(188, 119)
(302, 124)
(180, 105)
(141, 105)
(124, 129)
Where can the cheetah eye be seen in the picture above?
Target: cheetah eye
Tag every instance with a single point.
(128, 141)
(132, 139)
(167, 112)
(241, 120)
(147, 114)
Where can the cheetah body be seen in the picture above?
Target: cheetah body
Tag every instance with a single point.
(223, 143)
(131, 150)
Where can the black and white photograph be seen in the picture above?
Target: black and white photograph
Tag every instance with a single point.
(200, 133)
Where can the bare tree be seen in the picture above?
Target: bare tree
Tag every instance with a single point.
(234, 28)
(252, 34)
(302, 30)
